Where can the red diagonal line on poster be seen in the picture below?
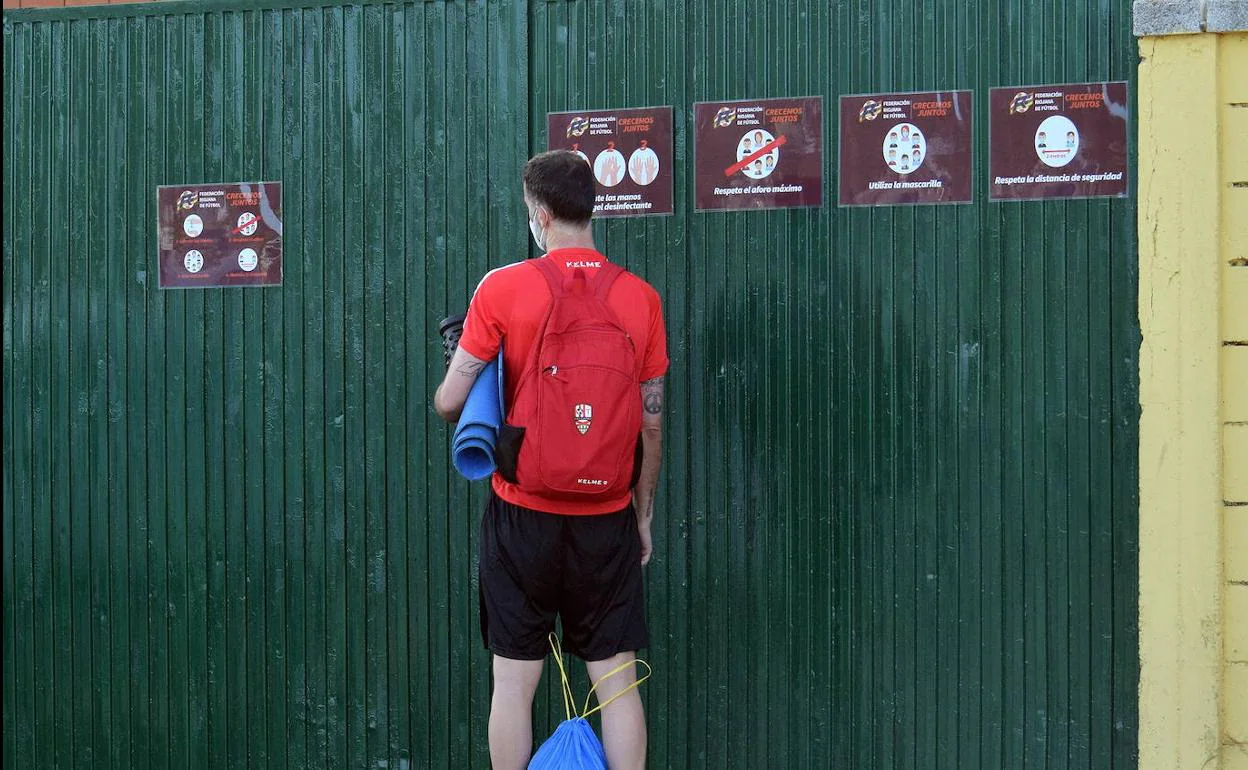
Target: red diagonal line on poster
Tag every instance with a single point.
(748, 159)
(245, 225)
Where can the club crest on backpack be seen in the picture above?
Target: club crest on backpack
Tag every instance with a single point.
(584, 416)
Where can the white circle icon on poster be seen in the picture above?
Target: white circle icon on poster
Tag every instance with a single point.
(248, 259)
(609, 166)
(193, 225)
(247, 223)
(193, 261)
(1057, 141)
(643, 164)
(751, 142)
(905, 148)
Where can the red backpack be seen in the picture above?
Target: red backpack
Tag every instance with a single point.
(577, 401)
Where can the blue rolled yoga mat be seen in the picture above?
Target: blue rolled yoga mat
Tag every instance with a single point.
(472, 449)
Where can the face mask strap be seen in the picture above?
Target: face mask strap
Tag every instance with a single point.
(535, 227)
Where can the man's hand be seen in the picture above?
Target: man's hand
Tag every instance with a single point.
(647, 541)
(449, 399)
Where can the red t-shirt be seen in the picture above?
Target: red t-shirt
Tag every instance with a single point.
(508, 308)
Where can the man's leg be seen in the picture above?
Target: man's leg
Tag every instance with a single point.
(624, 721)
(511, 712)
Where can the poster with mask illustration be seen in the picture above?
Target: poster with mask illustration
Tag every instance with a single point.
(758, 154)
(1058, 141)
(219, 235)
(905, 148)
(630, 151)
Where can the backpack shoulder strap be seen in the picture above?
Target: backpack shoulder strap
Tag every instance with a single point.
(605, 279)
(551, 274)
(555, 279)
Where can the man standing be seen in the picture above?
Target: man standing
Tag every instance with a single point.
(577, 554)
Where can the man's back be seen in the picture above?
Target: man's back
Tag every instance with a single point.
(509, 307)
(582, 570)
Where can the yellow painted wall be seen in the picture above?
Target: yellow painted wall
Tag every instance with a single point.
(1193, 228)
(1233, 264)
(1180, 441)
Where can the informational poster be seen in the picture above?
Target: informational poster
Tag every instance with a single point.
(630, 151)
(1058, 141)
(758, 154)
(906, 148)
(220, 235)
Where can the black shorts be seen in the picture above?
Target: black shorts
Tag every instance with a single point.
(585, 569)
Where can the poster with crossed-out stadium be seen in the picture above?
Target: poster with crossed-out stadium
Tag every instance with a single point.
(758, 154)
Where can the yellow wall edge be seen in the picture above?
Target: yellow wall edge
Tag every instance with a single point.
(1180, 426)
(1233, 259)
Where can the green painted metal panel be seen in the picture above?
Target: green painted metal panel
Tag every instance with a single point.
(231, 534)
(898, 516)
(900, 506)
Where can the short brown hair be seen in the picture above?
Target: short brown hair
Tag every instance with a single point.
(563, 182)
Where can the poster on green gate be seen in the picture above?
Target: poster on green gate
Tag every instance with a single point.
(1067, 140)
(219, 235)
(630, 151)
(758, 154)
(906, 148)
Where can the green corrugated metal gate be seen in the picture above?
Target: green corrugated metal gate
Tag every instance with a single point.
(898, 521)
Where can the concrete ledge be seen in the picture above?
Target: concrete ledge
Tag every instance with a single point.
(1227, 16)
(1168, 17)
(1188, 17)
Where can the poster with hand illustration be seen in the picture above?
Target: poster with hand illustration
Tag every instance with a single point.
(630, 151)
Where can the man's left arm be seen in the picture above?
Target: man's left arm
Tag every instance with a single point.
(449, 399)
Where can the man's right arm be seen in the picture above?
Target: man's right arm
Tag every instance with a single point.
(651, 460)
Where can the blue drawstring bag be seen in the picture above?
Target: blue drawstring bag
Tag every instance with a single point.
(574, 744)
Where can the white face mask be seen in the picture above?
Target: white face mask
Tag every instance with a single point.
(539, 233)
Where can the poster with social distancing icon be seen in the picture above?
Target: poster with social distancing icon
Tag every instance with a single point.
(1058, 141)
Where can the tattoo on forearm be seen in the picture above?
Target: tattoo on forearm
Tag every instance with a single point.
(652, 395)
(471, 368)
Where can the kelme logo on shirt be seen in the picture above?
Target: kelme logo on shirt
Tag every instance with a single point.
(584, 416)
(582, 263)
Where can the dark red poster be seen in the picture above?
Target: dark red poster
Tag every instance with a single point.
(630, 151)
(1058, 141)
(220, 235)
(758, 154)
(905, 148)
